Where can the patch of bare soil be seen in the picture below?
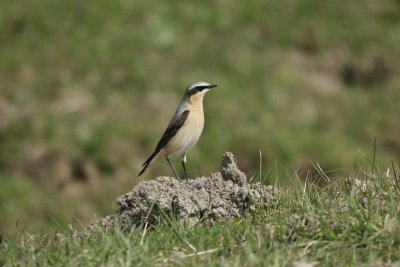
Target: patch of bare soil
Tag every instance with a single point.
(223, 195)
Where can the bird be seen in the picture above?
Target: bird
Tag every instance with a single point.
(184, 129)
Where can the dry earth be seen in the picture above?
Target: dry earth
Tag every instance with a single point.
(223, 195)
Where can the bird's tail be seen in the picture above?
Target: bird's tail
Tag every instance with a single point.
(148, 162)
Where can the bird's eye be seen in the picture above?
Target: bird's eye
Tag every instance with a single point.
(200, 88)
(197, 89)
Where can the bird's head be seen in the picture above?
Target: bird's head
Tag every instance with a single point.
(199, 89)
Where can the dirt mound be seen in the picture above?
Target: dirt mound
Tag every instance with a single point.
(221, 196)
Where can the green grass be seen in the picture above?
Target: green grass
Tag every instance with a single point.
(87, 88)
(332, 226)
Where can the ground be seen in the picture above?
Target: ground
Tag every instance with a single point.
(307, 96)
(350, 222)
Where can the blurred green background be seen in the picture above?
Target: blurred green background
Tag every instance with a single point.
(88, 87)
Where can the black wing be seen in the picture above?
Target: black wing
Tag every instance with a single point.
(170, 132)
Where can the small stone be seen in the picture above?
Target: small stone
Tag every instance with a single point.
(230, 171)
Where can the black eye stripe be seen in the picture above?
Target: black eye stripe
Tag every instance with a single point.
(201, 87)
(197, 89)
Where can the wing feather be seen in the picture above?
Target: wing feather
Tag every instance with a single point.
(169, 133)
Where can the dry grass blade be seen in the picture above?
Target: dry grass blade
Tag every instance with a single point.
(144, 233)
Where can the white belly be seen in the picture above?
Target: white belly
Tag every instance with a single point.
(186, 137)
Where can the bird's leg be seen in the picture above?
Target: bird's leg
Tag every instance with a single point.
(184, 166)
(172, 167)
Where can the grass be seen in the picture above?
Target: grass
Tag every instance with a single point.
(338, 225)
(87, 88)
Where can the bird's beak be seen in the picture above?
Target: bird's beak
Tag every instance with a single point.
(212, 86)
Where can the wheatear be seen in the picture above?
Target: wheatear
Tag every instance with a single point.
(184, 129)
